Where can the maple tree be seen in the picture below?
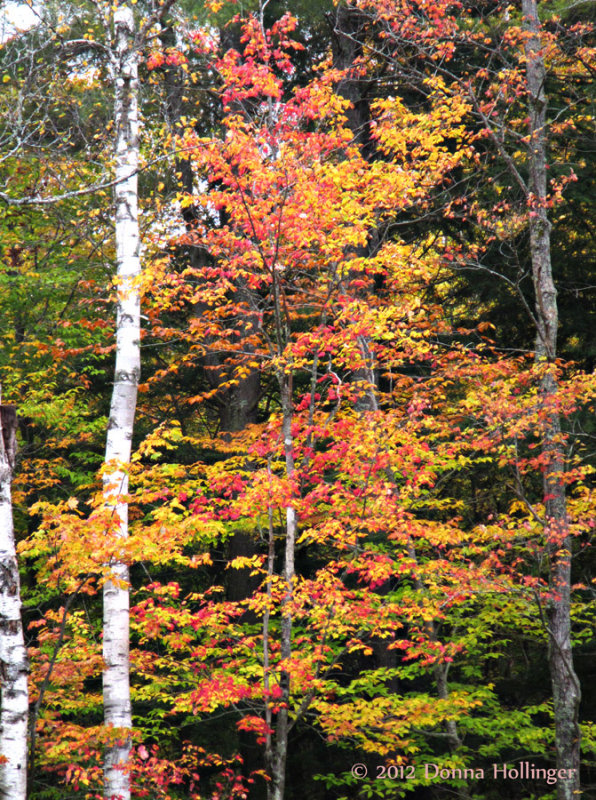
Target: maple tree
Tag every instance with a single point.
(260, 226)
(556, 604)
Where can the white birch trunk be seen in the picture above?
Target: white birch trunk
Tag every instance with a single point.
(13, 656)
(116, 681)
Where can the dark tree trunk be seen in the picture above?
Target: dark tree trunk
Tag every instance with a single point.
(347, 29)
(348, 23)
(566, 689)
(236, 404)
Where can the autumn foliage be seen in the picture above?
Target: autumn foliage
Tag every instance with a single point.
(339, 535)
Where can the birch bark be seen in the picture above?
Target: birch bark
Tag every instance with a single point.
(13, 657)
(116, 679)
(566, 689)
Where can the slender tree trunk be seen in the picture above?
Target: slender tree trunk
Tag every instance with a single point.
(566, 690)
(116, 679)
(266, 650)
(13, 656)
(280, 754)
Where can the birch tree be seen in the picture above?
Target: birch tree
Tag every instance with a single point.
(116, 683)
(128, 42)
(120, 33)
(13, 656)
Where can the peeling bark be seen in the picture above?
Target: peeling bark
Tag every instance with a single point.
(116, 679)
(13, 655)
